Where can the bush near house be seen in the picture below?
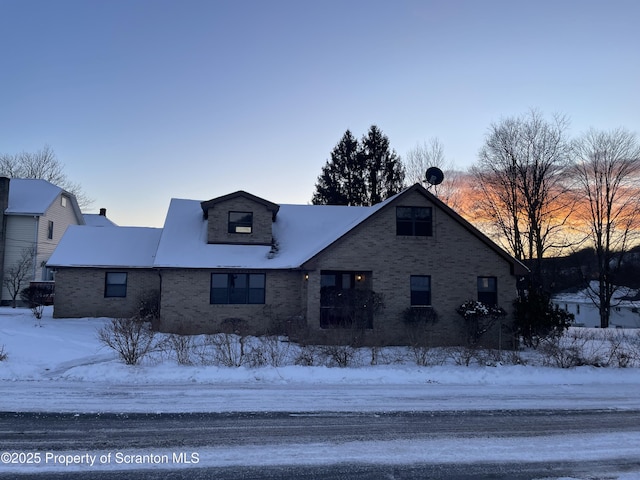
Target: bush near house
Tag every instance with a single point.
(479, 319)
(36, 297)
(537, 319)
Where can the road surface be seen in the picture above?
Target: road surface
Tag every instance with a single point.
(514, 444)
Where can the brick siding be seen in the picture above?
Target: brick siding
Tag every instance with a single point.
(80, 292)
(218, 222)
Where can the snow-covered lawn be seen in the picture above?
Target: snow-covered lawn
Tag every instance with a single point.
(58, 365)
(64, 358)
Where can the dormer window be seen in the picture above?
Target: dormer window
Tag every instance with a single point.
(240, 222)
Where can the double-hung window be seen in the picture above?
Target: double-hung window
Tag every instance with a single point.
(420, 290)
(237, 288)
(488, 290)
(414, 221)
(115, 284)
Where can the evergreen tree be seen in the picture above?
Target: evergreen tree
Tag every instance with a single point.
(342, 179)
(360, 173)
(385, 173)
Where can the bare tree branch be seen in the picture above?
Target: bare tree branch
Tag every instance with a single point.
(44, 165)
(607, 175)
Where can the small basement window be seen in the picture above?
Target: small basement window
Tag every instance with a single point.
(240, 222)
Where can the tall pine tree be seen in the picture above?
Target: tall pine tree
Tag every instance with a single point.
(360, 173)
(385, 172)
(342, 179)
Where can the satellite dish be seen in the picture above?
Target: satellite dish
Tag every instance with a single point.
(434, 176)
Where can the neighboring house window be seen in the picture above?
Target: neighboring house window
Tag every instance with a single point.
(341, 302)
(420, 290)
(414, 221)
(237, 288)
(50, 230)
(578, 309)
(488, 290)
(63, 201)
(240, 222)
(115, 284)
(48, 274)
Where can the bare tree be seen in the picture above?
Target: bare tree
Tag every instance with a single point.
(15, 276)
(521, 175)
(607, 175)
(431, 154)
(45, 165)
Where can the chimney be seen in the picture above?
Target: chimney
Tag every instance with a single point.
(103, 212)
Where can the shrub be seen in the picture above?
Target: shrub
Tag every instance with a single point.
(131, 338)
(270, 350)
(149, 306)
(419, 321)
(229, 349)
(479, 319)
(307, 356)
(537, 318)
(36, 297)
(339, 355)
(182, 346)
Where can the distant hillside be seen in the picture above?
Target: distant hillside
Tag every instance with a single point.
(571, 272)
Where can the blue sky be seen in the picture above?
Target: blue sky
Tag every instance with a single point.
(145, 100)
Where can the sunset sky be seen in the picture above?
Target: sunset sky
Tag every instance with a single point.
(145, 100)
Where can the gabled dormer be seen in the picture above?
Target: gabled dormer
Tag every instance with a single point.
(239, 218)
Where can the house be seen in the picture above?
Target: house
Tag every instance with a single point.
(241, 258)
(624, 313)
(98, 219)
(35, 215)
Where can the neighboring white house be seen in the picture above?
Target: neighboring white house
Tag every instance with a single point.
(35, 215)
(98, 219)
(624, 313)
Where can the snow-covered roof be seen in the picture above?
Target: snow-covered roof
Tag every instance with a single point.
(97, 220)
(30, 196)
(300, 232)
(620, 296)
(85, 246)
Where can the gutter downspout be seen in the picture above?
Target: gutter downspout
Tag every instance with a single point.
(35, 247)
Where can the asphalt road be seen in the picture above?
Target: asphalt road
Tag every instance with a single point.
(44, 432)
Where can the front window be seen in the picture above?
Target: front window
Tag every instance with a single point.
(414, 221)
(420, 290)
(115, 284)
(237, 288)
(488, 290)
(50, 230)
(240, 222)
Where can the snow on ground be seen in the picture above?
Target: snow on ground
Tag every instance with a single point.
(64, 358)
(58, 365)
